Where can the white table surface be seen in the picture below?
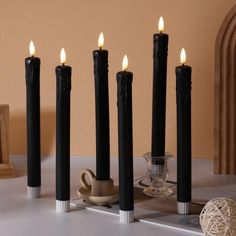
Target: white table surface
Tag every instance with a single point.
(22, 217)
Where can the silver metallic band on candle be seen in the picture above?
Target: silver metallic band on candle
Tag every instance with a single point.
(126, 216)
(33, 192)
(62, 206)
(183, 208)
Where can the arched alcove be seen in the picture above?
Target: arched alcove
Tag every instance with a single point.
(225, 97)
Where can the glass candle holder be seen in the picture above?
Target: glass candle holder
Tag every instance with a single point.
(157, 175)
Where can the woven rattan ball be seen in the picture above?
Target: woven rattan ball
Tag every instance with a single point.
(218, 217)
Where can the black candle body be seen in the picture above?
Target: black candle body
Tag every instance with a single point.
(100, 58)
(32, 75)
(184, 155)
(63, 77)
(125, 138)
(160, 48)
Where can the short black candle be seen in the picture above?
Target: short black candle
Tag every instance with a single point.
(63, 88)
(32, 76)
(125, 139)
(100, 58)
(184, 155)
(160, 48)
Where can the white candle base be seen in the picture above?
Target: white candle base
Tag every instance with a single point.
(183, 208)
(126, 216)
(33, 192)
(62, 206)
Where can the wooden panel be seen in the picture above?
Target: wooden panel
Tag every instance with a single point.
(225, 97)
(4, 128)
(6, 170)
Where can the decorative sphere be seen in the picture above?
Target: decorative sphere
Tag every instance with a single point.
(218, 217)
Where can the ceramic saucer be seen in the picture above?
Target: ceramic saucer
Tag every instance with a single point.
(99, 200)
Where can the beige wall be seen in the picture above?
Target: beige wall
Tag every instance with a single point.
(128, 26)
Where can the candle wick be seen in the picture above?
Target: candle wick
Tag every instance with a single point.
(100, 48)
(63, 64)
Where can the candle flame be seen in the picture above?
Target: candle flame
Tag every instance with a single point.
(101, 40)
(161, 24)
(182, 56)
(31, 48)
(63, 56)
(125, 63)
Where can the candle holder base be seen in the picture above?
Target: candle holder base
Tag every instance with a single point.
(62, 206)
(157, 175)
(6, 170)
(33, 192)
(97, 192)
(126, 217)
(163, 191)
(183, 208)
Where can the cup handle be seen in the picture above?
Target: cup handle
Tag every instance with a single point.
(83, 181)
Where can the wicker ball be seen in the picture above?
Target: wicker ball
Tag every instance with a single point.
(218, 217)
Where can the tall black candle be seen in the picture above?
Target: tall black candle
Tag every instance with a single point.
(32, 75)
(160, 48)
(125, 138)
(100, 58)
(63, 82)
(184, 155)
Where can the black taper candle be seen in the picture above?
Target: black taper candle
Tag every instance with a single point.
(100, 58)
(125, 139)
(32, 75)
(63, 81)
(184, 155)
(160, 48)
